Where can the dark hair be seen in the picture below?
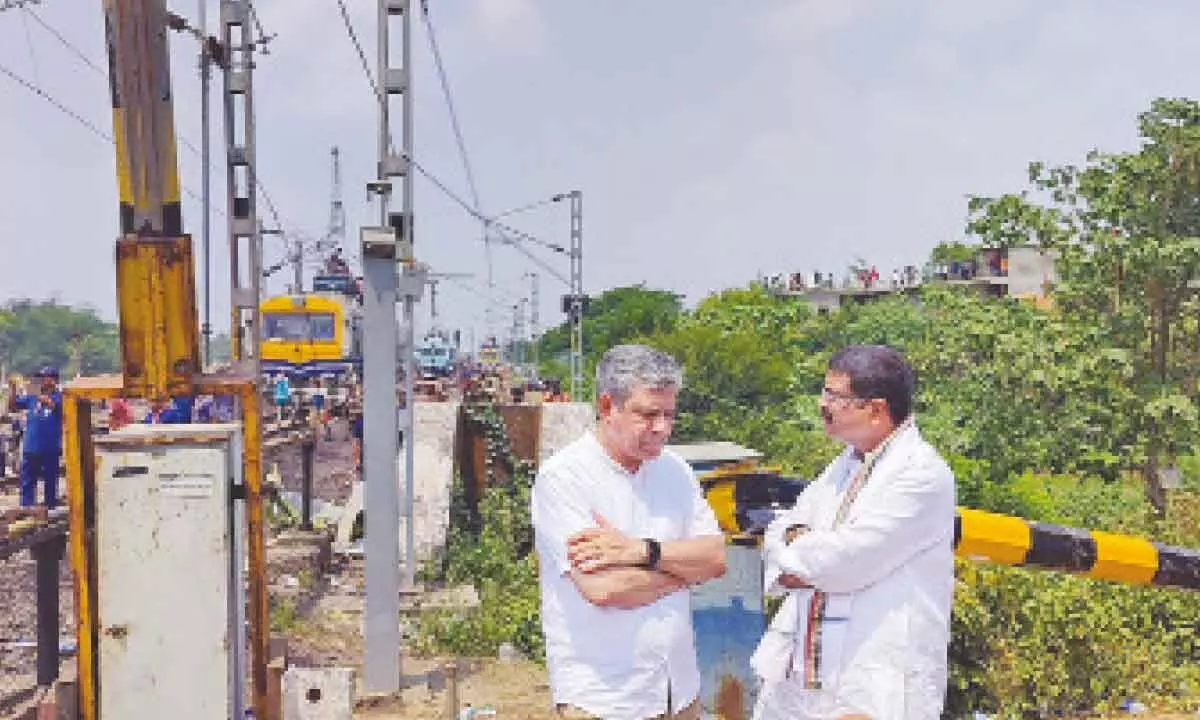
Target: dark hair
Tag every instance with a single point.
(877, 371)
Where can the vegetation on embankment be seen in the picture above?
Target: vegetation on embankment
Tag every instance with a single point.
(1068, 415)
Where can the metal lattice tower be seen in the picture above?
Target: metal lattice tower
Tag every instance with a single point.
(245, 239)
(335, 233)
(533, 321)
(578, 300)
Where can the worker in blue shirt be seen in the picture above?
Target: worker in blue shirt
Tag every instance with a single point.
(43, 438)
(179, 412)
(283, 394)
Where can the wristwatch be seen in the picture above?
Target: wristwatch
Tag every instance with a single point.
(653, 553)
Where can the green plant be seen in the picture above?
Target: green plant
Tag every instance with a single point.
(1027, 642)
(284, 616)
(495, 555)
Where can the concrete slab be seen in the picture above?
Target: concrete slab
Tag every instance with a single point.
(433, 461)
(562, 424)
(318, 694)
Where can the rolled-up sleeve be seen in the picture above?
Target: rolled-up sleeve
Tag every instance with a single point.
(558, 509)
(773, 537)
(701, 520)
(911, 511)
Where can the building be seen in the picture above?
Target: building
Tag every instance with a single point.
(1023, 272)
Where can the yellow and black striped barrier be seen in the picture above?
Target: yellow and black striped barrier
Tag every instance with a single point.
(1011, 540)
(743, 499)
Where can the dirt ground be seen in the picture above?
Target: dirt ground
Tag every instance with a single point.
(512, 690)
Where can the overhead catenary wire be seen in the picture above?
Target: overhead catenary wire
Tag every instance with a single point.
(58, 105)
(35, 89)
(82, 56)
(95, 67)
(37, 75)
(455, 126)
(510, 235)
(492, 299)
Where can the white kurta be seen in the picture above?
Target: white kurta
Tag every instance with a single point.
(616, 663)
(878, 646)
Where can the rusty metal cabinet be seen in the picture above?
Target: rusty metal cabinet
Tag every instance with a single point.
(167, 602)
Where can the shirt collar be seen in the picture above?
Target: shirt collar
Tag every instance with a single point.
(872, 457)
(598, 447)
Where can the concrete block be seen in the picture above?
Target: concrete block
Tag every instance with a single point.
(351, 511)
(318, 694)
(562, 424)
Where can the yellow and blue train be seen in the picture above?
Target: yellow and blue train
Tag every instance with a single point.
(307, 334)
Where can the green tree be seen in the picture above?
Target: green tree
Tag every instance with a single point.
(1125, 228)
(614, 317)
(34, 334)
(945, 253)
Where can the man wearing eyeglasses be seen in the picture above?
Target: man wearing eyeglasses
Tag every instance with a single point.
(622, 531)
(864, 561)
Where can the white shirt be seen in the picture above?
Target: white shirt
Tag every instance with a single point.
(888, 572)
(611, 662)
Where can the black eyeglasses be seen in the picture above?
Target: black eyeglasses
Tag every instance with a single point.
(828, 394)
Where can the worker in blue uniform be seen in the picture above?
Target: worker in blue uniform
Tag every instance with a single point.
(178, 412)
(43, 437)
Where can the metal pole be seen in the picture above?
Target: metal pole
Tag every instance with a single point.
(577, 296)
(206, 181)
(307, 450)
(298, 269)
(409, 298)
(533, 320)
(392, 243)
(381, 502)
(48, 556)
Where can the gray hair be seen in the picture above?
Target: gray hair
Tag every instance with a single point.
(625, 367)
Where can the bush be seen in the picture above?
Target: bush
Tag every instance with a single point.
(1028, 642)
(496, 558)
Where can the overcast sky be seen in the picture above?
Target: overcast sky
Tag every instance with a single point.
(713, 139)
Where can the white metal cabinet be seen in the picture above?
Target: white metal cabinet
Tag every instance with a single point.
(167, 603)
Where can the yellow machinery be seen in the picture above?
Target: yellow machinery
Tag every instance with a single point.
(489, 355)
(304, 333)
(158, 328)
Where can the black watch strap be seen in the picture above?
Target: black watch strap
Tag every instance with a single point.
(653, 553)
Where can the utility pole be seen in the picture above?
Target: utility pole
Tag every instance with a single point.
(206, 180)
(383, 248)
(297, 266)
(533, 321)
(517, 342)
(245, 239)
(522, 338)
(578, 301)
(336, 230)
(432, 279)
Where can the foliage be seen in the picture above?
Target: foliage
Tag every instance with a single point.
(945, 253)
(614, 317)
(1060, 415)
(1026, 643)
(495, 556)
(36, 334)
(1125, 229)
